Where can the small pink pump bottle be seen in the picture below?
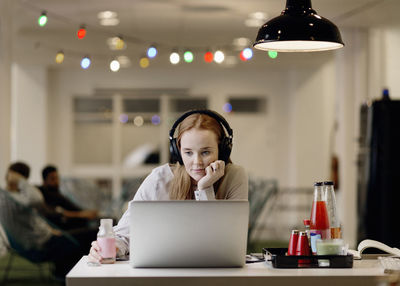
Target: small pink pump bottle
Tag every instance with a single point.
(106, 241)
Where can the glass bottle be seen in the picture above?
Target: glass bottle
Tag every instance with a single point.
(106, 241)
(319, 221)
(330, 199)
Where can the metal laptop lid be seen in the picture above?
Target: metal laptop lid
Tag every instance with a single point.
(188, 233)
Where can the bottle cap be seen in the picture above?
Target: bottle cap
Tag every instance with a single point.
(306, 222)
(328, 183)
(317, 184)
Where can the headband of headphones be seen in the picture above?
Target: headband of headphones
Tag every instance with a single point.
(210, 113)
(225, 146)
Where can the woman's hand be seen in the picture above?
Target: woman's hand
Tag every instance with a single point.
(94, 253)
(213, 173)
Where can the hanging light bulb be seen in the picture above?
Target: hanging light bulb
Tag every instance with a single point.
(273, 54)
(120, 43)
(208, 57)
(219, 57)
(114, 65)
(246, 54)
(174, 58)
(151, 52)
(144, 62)
(81, 32)
(85, 62)
(188, 56)
(60, 57)
(42, 20)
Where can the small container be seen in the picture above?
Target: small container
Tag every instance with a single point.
(329, 247)
(303, 249)
(313, 242)
(106, 241)
(293, 242)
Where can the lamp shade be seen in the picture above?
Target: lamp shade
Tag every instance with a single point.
(298, 29)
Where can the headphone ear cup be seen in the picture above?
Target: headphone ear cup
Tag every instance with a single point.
(174, 151)
(225, 149)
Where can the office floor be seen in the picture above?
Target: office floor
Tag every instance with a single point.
(23, 272)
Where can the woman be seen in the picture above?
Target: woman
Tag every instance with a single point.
(203, 170)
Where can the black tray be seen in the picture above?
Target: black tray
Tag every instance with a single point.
(280, 260)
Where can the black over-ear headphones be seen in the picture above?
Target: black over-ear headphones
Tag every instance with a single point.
(225, 146)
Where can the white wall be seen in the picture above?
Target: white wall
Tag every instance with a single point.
(263, 148)
(29, 118)
(5, 87)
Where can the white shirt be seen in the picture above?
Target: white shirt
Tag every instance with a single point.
(234, 186)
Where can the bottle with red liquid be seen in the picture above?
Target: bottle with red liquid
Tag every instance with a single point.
(319, 220)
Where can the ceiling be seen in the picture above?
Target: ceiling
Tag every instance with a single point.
(170, 24)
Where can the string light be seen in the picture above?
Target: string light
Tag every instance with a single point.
(114, 66)
(117, 43)
(174, 58)
(208, 57)
(219, 57)
(120, 43)
(188, 56)
(60, 57)
(42, 19)
(144, 62)
(273, 54)
(151, 52)
(246, 54)
(85, 62)
(81, 32)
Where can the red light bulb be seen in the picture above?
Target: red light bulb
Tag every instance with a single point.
(242, 57)
(208, 57)
(81, 33)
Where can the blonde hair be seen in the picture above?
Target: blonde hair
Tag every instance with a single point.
(181, 184)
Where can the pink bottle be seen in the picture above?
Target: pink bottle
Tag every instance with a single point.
(106, 241)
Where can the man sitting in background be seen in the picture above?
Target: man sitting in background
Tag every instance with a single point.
(42, 241)
(72, 215)
(75, 223)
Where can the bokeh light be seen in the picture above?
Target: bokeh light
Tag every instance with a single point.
(188, 56)
(208, 57)
(60, 57)
(219, 57)
(85, 63)
(123, 118)
(115, 65)
(138, 121)
(144, 62)
(174, 58)
(227, 107)
(151, 52)
(273, 54)
(155, 119)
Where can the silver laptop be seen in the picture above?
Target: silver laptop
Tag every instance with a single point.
(188, 233)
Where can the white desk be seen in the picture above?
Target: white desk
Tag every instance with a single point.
(364, 272)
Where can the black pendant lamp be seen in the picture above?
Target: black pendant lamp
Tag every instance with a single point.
(298, 29)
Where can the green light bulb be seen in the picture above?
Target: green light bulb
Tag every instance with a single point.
(273, 54)
(188, 56)
(42, 20)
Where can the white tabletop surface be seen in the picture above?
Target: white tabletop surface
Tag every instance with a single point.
(122, 273)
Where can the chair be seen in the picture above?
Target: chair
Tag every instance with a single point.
(260, 191)
(14, 234)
